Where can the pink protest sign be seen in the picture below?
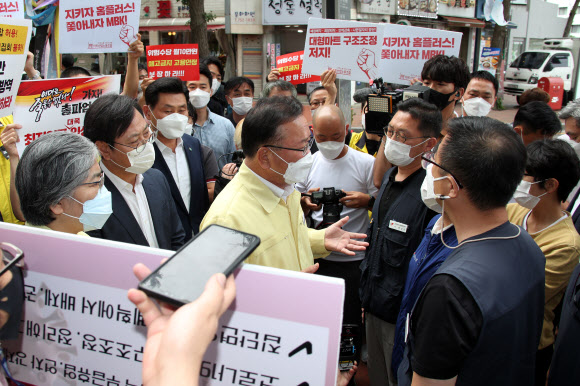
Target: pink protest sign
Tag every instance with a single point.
(290, 67)
(80, 327)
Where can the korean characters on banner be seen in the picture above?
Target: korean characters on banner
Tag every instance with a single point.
(12, 8)
(79, 326)
(418, 8)
(280, 12)
(405, 49)
(176, 60)
(14, 37)
(352, 48)
(44, 106)
(383, 7)
(86, 26)
(290, 67)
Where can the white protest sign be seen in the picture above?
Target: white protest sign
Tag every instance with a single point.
(405, 50)
(14, 38)
(108, 26)
(12, 8)
(79, 326)
(44, 106)
(352, 48)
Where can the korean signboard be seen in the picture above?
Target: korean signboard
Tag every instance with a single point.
(44, 106)
(110, 26)
(12, 8)
(458, 8)
(79, 326)
(418, 8)
(281, 12)
(14, 38)
(176, 60)
(382, 7)
(290, 67)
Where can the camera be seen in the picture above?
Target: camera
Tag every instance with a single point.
(238, 157)
(382, 105)
(331, 207)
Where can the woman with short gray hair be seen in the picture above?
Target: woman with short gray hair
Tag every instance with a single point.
(60, 184)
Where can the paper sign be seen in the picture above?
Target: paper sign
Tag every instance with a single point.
(418, 8)
(352, 48)
(290, 67)
(273, 56)
(44, 106)
(405, 50)
(14, 37)
(12, 8)
(281, 12)
(178, 60)
(110, 26)
(79, 327)
(383, 7)
(489, 59)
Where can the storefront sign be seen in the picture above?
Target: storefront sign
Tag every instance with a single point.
(175, 60)
(80, 328)
(110, 26)
(489, 59)
(44, 106)
(418, 8)
(382, 7)
(457, 8)
(280, 12)
(163, 9)
(12, 8)
(290, 67)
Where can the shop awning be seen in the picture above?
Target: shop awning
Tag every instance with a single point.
(177, 24)
(464, 22)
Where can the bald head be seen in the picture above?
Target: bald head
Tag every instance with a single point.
(328, 124)
(329, 114)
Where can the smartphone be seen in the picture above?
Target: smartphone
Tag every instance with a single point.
(11, 255)
(182, 278)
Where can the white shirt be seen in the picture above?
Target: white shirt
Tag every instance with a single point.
(137, 202)
(179, 168)
(352, 172)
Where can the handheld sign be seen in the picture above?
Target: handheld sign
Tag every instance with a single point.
(178, 60)
(290, 67)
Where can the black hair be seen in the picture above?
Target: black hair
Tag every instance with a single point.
(235, 83)
(428, 115)
(164, 86)
(485, 75)
(215, 61)
(67, 61)
(191, 112)
(74, 71)
(538, 116)
(262, 122)
(141, 66)
(203, 70)
(109, 117)
(313, 91)
(448, 69)
(487, 157)
(554, 158)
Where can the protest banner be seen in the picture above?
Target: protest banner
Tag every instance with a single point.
(178, 60)
(352, 48)
(110, 26)
(489, 59)
(290, 67)
(44, 106)
(12, 8)
(14, 38)
(79, 327)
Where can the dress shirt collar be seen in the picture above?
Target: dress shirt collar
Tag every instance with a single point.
(210, 118)
(118, 182)
(270, 197)
(165, 149)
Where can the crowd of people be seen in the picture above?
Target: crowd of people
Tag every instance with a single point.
(457, 237)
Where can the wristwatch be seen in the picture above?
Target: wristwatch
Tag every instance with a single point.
(371, 202)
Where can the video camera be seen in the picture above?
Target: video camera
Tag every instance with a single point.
(382, 106)
(238, 157)
(331, 207)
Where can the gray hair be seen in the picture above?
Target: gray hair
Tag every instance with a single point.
(572, 109)
(51, 168)
(280, 84)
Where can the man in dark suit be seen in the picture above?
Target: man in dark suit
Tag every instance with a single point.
(571, 116)
(177, 155)
(143, 210)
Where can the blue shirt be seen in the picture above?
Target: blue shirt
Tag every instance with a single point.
(430, 254)
(217, 133)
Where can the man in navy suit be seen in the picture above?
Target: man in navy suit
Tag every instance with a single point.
(571, 116)
(177, 155)
(143, 210)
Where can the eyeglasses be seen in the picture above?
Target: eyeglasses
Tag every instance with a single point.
(398, 136)
(429, 158)
(304, 150)
(98, 183)
(149, 139)
(11, 255)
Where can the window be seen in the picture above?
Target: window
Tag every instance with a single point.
(563, 11)
(559, 60)
(575, 29)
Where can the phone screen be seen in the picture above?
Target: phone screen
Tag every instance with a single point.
(182, 278)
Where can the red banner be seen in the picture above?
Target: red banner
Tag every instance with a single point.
(290, 67)
(175, 60)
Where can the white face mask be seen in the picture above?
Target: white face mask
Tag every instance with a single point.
(199, 98)
(242, 105)
(140, 162)
(329, 149)
(296, 171)
(215, 85)
(172, 126)
(476, 107)
(96, 212)
(524, 198)
(428, 191)
(189, 129)
(397, 153)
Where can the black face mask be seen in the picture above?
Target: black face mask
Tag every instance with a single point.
(438, 99)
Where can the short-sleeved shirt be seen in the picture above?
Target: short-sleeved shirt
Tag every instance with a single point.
(210, 166)
(218, 133)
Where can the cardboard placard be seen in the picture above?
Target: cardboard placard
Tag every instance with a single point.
(175, 60)
(290, 67)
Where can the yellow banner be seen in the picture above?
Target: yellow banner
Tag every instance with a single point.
(13, 39)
